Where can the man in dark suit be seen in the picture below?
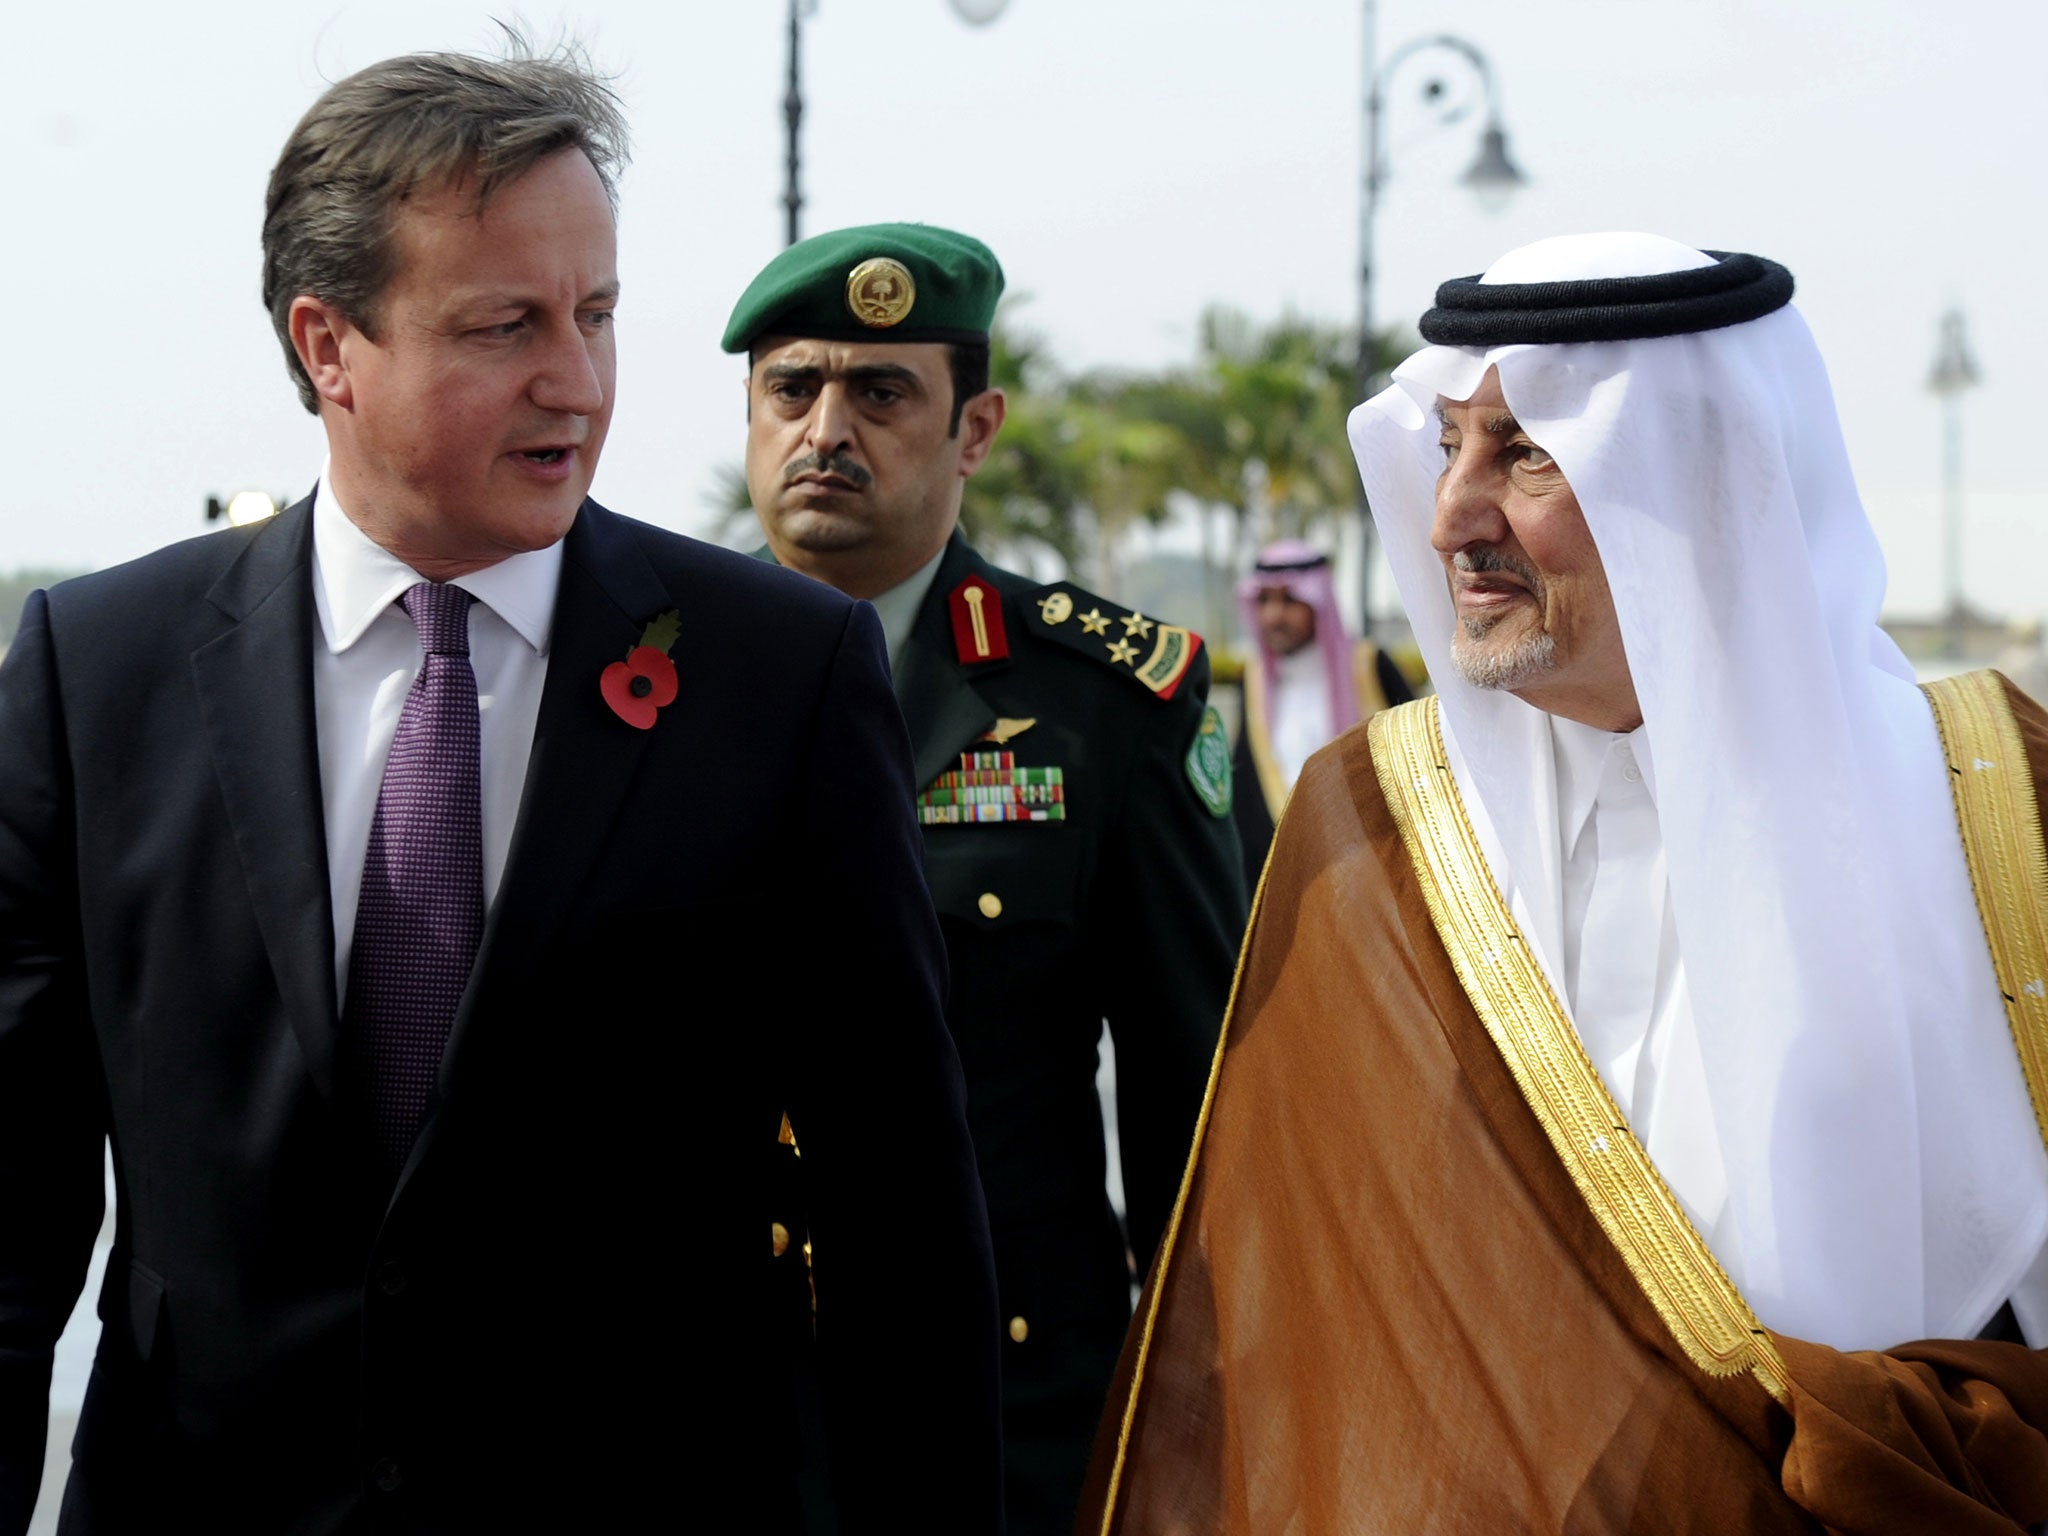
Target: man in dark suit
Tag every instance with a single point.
(1074, 791)
(405, 886)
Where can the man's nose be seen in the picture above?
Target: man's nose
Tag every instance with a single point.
(831, 423)
(1468, 508)
(570, 379)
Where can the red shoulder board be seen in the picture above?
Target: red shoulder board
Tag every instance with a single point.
(977, 610)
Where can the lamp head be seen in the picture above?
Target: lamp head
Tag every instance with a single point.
(1493, 177)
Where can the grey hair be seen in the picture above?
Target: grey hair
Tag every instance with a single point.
(413, 124)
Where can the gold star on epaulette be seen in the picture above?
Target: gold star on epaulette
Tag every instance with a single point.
(1151, 652)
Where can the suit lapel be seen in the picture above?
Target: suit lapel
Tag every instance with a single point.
(256, 706)
(941, 706)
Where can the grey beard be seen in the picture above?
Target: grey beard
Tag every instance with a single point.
(1522, 663)
(1516, 667)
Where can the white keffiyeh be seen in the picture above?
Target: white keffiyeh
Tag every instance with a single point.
(1884, 1177)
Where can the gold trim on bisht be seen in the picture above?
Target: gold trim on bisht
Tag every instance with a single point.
(1999, 816)
(1614, 1175)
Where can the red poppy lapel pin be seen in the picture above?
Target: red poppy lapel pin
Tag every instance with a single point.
(639, 686)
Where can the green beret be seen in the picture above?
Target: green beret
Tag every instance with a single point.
(879, 282)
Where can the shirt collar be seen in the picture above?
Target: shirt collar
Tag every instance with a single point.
(898, 607)
(355, 579)
(1582, 753)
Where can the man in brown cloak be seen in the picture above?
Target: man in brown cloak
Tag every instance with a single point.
(1629, 1113)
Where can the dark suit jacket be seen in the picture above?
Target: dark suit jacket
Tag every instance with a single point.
(558, 1316)
(1130, 910)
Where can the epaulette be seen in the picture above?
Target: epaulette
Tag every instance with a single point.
(1152, 654)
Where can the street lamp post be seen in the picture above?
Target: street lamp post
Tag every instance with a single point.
(1954, 371)
(978, 13)
(1492, 176)
(793, 119)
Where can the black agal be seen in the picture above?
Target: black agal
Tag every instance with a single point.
(1735, 288)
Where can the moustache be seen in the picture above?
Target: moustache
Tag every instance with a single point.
(827, 464)
(1483, 558)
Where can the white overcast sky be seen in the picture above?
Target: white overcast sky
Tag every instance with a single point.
(1128, 162)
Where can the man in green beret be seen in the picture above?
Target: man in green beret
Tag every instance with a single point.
(1073, 787)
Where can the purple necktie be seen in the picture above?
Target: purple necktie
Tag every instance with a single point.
(421, 912)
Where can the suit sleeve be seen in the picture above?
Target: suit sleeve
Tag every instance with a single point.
(906, 1298)
(1170, 918)
(51, 1109)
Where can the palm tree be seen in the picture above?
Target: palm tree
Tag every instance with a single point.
(1260, 423)
(1076, 465)
(1285, 392)
(1032, 489)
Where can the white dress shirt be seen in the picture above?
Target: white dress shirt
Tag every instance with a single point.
(897, 608)
(365, 664)
(1624, 979)
(1298, 719)
(1625, 983)
(1614, 897)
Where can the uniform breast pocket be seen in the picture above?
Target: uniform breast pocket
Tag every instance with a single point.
(1002, 878)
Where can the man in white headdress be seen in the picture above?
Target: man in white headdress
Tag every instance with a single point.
(1619, 1126)
(1306, 682)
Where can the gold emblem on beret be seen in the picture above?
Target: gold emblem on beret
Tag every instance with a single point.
(880, 292)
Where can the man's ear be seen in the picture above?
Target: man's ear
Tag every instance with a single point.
(318, 331)
(747, 386)
(980, 420)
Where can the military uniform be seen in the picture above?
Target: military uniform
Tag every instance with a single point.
(1074, 791)
(1086, 870)
(1128, 907)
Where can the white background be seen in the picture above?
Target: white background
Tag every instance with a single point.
(1129, 163)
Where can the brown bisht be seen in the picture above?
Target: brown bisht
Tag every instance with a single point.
(1422, 1278)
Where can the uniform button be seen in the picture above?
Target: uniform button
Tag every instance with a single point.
(1019, 1330)
(991, 904)
(780, 1234)
(391, 1277)
(1633, 774)
(386, 1476)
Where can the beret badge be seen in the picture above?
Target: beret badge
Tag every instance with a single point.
(880, 292)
